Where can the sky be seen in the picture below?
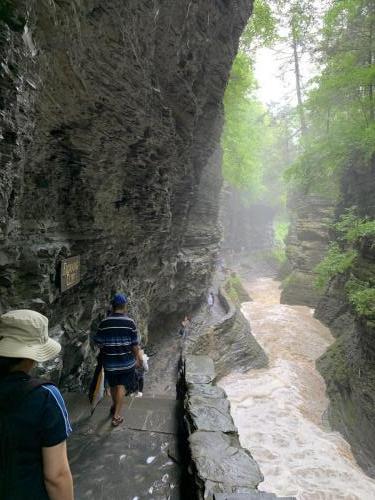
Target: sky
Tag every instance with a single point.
(276, 84)
(271, 87)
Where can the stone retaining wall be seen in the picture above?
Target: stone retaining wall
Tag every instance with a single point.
(222, 469)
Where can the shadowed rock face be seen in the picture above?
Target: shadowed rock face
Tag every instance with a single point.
(227, 340)
(307, 243)
(111, 114)
(348, 366)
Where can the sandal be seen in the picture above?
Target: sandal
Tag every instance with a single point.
(116, 421)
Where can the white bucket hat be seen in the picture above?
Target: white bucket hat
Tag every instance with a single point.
(24, 334)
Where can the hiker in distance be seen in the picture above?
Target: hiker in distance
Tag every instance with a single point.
(210, 302)
(34, 423)
(185, 327)
(117, 339)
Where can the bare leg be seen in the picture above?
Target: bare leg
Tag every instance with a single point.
(117, 393)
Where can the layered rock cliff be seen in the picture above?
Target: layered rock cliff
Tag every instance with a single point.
(307, 242)
(226, 339)
(111, 113)
(348, 366)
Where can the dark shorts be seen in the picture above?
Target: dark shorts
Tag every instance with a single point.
(127, 379)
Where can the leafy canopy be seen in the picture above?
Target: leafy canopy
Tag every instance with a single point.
(243, 138)
(340, 107)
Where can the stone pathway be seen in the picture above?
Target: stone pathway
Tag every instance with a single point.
(140, 459)
(134, 461)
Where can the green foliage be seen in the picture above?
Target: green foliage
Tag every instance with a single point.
(281, 227)
(340, 108)
(235, 289)
(335, 262)
(244, 136)
(261, 30)
(361, 295)
(256, 144)
(256, 141)
(278, 255)
(351, 228)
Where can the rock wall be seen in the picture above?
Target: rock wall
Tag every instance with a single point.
(306, 245)
(222, 469)
(111, 114)
(228, 341)
(348, 366)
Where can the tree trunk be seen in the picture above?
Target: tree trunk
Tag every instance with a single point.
(371, 62)
(297, 73)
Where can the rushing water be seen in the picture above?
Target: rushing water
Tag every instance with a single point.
(278, 410)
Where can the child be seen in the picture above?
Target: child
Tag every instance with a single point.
(185, 326)
(140, 373)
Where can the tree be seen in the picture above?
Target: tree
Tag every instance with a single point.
(243, 136)
(340, 106)
(296, 21)
(261, 31)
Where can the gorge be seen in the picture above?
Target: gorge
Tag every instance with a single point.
(111, 116)
(132, 140)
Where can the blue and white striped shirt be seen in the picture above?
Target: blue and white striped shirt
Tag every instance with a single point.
(116, 337)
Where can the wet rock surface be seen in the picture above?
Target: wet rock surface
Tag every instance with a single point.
(219, 464)
(130, 461)
(307, 243)
(111, 115)
(143, 457)
(250, 496)
(199, 370)
(348, 366)
(147, 456)
(226, 338)
(209, 414)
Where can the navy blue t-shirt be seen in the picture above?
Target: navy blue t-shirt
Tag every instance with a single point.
(38, 420)
(116, 337)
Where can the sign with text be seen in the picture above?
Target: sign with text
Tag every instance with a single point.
(70, 272)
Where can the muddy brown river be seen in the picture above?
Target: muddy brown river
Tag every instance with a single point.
(279, 410)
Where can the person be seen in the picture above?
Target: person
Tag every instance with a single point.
(210, 302)
(140, 374)
(185, 325)
(34, 422)
(117, 339)
(222, 264)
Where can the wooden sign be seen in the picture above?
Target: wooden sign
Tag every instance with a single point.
(70, 272)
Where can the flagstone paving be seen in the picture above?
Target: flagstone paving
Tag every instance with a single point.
(140, 459)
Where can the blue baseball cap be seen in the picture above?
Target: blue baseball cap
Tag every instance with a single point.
(119, 299)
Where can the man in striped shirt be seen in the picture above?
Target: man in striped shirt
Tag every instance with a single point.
(117, 338)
